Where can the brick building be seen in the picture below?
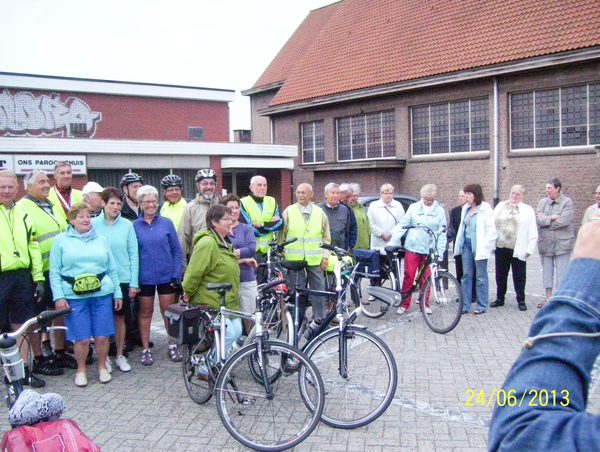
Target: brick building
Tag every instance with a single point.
(108, 128)
(445, 92)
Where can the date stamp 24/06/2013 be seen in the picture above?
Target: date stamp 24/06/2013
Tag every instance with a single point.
(535, 397)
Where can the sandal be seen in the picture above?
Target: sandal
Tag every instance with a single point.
(541, 305)
(174, 355)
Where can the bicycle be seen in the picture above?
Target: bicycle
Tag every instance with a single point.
(358, 368)
(440, 301)
(14, 367)
(254, 386)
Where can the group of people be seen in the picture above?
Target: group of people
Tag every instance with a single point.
(107, 253)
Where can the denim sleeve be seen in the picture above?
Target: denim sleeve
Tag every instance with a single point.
(555, 365)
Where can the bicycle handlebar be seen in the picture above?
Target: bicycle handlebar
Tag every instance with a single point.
(280, 246)
(426, 228)
(337, 250)
(43, 319)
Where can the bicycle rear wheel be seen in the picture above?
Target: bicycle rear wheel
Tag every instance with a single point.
(370, 385)
(197, 372)
(269, 421)
(444, 298)
(377, 308)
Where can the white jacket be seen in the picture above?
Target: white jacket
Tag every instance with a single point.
(383, 220)
(486, 234)
(527, 233)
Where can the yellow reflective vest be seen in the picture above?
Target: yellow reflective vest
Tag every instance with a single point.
(45, 227)
(173, 212)
(76, 197)
(18, 248)
(309, 234)
(268, 211)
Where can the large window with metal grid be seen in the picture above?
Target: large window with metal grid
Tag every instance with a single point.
(367, 136)
(561, 117)
(313, 142)
(461, 126)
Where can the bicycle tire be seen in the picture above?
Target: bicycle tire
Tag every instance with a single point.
(377, 308)
(370, 385)
(446, 302)
(269, 423)
(199, 389)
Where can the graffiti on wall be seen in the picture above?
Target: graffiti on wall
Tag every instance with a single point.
(26, 115)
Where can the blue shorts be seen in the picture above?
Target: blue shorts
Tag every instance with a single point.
(90, 317)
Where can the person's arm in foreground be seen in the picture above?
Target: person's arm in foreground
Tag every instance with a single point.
(558, 368)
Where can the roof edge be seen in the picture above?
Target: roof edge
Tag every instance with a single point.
(545, 61)
(260, 89)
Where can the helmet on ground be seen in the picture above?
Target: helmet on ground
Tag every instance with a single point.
(130, 178)
(206, 174)
(172, 180)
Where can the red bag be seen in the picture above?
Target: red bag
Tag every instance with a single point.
(54, 436)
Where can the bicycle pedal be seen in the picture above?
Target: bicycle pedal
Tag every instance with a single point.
(249, 400)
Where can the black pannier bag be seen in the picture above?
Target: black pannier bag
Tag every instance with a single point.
(184, 323)
(368, 261)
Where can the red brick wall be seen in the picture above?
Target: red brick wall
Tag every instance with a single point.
(145, 118)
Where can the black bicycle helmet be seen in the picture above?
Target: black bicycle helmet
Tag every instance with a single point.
(130, 178)
(172, 180)
(206, 174)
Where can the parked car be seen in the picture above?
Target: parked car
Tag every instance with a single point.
(404, 200)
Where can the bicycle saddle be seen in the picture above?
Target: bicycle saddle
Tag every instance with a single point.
(219, 287)
(391, 249)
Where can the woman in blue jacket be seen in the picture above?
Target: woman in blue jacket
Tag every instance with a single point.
(83, 275)
(427, 212)
(161, 262)
(124, 246)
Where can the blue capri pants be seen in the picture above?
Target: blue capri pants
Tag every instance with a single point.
(90, 317)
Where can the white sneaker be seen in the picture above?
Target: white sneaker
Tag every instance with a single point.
(371, 298)
(122, 364)
(109, 365)
(400, 310)
(427, 311)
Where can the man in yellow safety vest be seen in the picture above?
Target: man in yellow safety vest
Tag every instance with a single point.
(308, 223)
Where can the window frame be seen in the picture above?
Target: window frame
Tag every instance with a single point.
(314, 136)
(368, 146)
(451, 121)
(560, 126)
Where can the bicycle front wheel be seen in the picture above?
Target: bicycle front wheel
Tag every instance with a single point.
(361, 396)
(441, 302)
(269, 416)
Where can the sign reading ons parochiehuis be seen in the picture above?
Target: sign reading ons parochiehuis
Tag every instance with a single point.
(24, 163)
(23, 114)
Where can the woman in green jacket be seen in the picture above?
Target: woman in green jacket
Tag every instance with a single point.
(214, 261)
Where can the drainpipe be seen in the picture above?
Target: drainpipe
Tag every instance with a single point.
(496, 144)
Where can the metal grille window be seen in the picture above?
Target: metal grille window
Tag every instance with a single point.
(461, 126)
(558, 117)
(370, 136)
(313, 142)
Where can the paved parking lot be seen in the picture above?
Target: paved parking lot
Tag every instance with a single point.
(148, 408)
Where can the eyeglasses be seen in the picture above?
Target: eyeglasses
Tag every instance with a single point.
(227, 220)
(150, 203)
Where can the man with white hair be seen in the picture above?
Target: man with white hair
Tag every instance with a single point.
(338, 216)
(262, 213)
(62, 194)
(47, 224)
(345, 194)
(91, 193)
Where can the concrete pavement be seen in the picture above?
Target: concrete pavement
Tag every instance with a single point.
(148, 408)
